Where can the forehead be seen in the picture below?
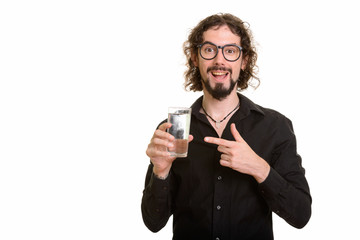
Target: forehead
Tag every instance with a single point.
(221, 35)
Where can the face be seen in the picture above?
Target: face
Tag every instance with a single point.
(219, 76)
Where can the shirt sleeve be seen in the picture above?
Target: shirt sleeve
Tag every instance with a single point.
(286, 189)
(156, 201)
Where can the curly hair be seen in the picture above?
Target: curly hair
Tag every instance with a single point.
(237, 26)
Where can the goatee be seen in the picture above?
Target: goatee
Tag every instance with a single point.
(219, 92)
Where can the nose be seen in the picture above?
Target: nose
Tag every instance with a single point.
(220, 59)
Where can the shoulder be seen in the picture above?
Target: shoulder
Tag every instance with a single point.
(281, 125)
(268, 116)
(273, 114)
(268, 113)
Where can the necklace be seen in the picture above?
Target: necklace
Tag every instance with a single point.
(217, 123)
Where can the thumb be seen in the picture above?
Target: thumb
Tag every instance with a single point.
(235, 133)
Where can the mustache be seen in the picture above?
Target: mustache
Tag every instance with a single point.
(209, 69)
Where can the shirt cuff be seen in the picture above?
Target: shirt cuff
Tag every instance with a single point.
(159, 187)
(273, 186)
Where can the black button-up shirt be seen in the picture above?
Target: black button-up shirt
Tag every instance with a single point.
(209, 201)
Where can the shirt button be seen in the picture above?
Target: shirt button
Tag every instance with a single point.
(218, 207)
(219, 178)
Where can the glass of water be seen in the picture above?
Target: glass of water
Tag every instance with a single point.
(179, 117)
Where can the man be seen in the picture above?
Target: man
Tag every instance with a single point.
(242, 162)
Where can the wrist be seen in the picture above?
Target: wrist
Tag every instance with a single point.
(161, 174)
(262, 172)
(161, 177)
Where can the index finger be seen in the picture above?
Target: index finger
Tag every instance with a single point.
(164, 126)
(218, 141)
(162, 133)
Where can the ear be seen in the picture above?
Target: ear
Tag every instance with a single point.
(244, 62)
(194, 59)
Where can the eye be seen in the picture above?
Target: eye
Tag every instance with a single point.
(209, 49)
(231, 50)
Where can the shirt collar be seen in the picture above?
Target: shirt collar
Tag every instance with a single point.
(246, 107)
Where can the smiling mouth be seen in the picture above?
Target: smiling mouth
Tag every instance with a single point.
(219, 75)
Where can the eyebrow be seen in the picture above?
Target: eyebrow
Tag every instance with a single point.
(237, 44)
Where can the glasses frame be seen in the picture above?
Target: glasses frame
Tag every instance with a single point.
(222, 50)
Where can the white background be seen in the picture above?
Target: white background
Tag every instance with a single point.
(83, 84)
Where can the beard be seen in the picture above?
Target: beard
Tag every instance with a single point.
(219, 92)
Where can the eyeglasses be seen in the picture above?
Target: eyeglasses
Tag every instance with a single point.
(209, 50)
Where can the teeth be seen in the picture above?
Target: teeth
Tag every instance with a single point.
(219, 73)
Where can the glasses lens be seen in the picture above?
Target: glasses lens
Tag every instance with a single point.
(231, 53)
(208, 51)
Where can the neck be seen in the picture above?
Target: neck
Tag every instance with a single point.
(218, 109)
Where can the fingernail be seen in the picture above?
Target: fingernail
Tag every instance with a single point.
(206, 139)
